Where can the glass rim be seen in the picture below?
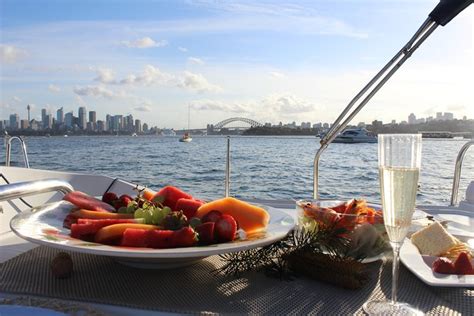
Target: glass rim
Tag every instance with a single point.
(400, 134)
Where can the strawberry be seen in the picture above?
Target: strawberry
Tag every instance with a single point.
(443, 265)
(225, 228)
(206, 232)
(122, 201)
(185, 237)
(463, 265)
(109, 198)
(160, 238)
(212, 216)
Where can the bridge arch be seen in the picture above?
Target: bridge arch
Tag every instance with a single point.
(251, 122)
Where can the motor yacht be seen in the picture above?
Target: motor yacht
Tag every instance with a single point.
(355, 136)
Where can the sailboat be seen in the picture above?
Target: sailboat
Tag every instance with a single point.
(187, 137)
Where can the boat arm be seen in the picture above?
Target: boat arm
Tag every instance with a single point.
(444, 12)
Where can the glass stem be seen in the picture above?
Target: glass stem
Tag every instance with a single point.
(396, 261)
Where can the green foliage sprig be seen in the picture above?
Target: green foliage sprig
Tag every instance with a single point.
(319, 254)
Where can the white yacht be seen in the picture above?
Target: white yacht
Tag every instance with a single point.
(355, 135)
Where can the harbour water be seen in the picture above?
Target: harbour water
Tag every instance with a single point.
(261, 167)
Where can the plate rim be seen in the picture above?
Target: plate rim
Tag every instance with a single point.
(168, 253)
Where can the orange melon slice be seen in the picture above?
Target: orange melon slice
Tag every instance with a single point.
(249, 217)
(148, 194)
(111, 233)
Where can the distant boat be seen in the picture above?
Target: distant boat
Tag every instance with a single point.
(134, 135)
(354, 136)
(186, 138)
(65, 135)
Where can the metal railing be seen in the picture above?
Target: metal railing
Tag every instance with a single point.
(8, 144)
(22, 189)
(457, 172)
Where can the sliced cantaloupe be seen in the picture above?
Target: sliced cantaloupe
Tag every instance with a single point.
(111, 233)
(82, 213)
(249, 217)
(148, 194)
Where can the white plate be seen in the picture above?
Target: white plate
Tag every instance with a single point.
(44, 226)
(421, 266)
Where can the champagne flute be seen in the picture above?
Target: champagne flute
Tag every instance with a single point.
(399, 169)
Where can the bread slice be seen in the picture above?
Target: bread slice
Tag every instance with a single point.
(433, 240)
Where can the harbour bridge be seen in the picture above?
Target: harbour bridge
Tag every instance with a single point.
(216, 128)
(223, 123)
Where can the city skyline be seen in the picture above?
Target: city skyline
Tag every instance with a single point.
(271, 61)
(87, 121)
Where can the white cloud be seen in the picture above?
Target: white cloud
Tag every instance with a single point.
(144, 107)
(282, 104)
(277, 74)
(214, 105)
(98, 91)
(16, 99)
(145, 42)
(183, 49)
(54, 88)
(287, 104)
(195, 61)
(105, 75)
(150, 75)
(11, 54)
(197, 82)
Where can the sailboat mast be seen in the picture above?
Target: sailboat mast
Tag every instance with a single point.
(189, 115)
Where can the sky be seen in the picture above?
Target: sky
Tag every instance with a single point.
(268, 60)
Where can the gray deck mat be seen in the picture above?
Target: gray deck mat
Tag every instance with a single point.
(195, 289)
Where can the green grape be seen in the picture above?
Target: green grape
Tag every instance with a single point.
(148, 216)
(162, 214)
(166, 210)
(139, 213)
(122, 210)
(156, 215)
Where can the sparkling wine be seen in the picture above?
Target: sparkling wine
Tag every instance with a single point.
(398, 187)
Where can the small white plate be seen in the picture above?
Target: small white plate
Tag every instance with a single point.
(421, 267)
(44, 226)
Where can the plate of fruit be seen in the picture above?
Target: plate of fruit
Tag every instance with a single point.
(164, 229)
(439, 258)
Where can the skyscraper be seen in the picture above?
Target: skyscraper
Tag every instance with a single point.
(60, 116)
(69, 119)
(138, 126)
(92, 116)
(82, 117)
(29, 108)
(44, 119)
(14, 122)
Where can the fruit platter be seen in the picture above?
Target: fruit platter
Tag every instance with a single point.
(164, 229)
(358, 221)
